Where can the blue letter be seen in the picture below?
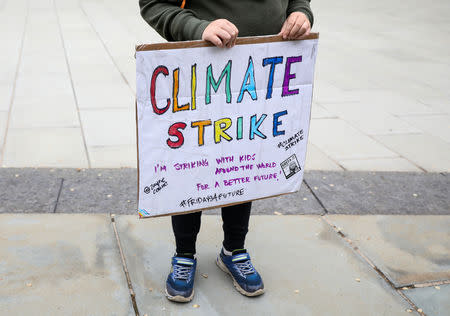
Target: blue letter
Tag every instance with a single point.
(248, 84)
(254, 125)
(276, 116)
(273, 61)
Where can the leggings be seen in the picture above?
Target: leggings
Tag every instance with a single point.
(235, 227)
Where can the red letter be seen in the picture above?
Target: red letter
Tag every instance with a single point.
(174, 130)
(156, 72)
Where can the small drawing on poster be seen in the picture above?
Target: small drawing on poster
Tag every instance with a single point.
(290, 166)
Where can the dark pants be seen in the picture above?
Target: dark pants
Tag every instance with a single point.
(235, 227)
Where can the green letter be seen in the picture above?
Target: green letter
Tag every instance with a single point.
(210, 81)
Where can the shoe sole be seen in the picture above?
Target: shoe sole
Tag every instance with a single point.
(179, 298)
(224, 268)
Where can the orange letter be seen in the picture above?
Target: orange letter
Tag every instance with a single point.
(176, 108)
(201, 130)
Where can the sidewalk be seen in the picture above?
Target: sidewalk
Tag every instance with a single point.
(324, 252)
(381, 97)
(368, 233)
(54, 264)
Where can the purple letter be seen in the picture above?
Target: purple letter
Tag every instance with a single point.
(288, 76)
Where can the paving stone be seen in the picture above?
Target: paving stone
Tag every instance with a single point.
(98, 191)
(380, 164)
(60, 265)
(381, 192)
(118, 127)
(38, 86)
(302, 202)
(432, 301)
(149, 246)
(123, 156)
(318, 111)
(407, 249)
(318, 160)
(338, 140)
(44, 115)
(391, 101)
(90, 192)
(370, 120)
(438, 126)
(104, 95)
(3, 123)
(430, 153)
(438, 102)
(28, 190)
(5, 96)
(45, 147)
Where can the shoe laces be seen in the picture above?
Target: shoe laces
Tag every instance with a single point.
(181, 272)
(245, 267)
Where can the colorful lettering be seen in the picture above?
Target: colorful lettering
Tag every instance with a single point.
(254, 125)
(159, 70)
(276, 123)
(288, 76)
(174, 130)
(177, 108)
(272, 61)
(210, 81)
(240, 123)
(248, 84)
(193, 86)
(220, 127)
(201, 130)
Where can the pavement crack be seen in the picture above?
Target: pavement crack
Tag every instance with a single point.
(124, 267)
(13, 92)
(421, 285)
(317, 198)
(59, 194)
(373, 266)
(72, 84)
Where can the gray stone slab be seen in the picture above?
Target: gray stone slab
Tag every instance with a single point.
(114, 191)
(407, 249)
(382, 192)
(98, 191)
(28, 190)
(432, 301)
(291, 252)
(60, 264)
(300, 203)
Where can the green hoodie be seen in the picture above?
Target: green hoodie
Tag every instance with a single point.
(251, 17)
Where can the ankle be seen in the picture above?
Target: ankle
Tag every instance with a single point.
(227, 252)
(185, 255)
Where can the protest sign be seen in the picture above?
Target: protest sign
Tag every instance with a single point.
(221, 126)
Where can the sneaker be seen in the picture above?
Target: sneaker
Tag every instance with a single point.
(245, 278)
(180, 282)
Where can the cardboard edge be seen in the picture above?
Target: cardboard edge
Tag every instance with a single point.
(137, 153)
(239, 41)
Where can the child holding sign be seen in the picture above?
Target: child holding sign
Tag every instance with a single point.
(220, 22)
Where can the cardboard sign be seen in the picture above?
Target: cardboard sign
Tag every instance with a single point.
(221, 126)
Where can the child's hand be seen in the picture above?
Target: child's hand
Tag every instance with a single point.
(221, 33)
(296, 26)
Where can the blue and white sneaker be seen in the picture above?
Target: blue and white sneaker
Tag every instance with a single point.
(180, 282)
(245, 278)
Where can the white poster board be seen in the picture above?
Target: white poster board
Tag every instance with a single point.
(221, 126)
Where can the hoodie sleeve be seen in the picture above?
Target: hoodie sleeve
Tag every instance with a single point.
(171, 21)
(301, 6)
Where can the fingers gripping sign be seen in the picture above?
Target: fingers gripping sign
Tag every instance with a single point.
(221, 32)
(296, 26)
